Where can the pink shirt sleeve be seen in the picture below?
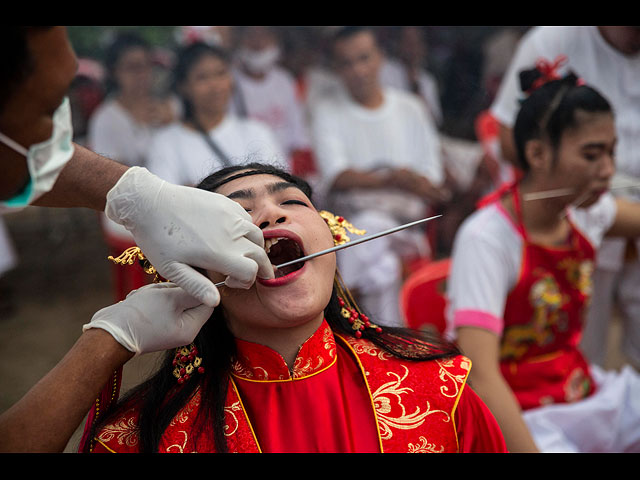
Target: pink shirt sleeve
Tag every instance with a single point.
(478, 318)
(485, 265)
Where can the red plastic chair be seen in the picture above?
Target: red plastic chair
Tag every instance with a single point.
(423, 299)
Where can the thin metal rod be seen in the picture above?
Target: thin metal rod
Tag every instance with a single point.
(560, 192)
(352, 243)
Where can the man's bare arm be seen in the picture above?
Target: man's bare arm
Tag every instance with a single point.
(84, 182)
(47, 416)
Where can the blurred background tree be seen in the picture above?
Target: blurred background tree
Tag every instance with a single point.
(91, 41)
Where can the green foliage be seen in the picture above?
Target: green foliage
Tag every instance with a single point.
(91, 41)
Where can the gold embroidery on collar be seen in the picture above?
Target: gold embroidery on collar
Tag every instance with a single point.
(316, 355)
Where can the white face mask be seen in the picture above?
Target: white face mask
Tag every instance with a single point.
(45, 160)
(259, 61)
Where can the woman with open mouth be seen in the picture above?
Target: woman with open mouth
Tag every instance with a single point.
(292, 365)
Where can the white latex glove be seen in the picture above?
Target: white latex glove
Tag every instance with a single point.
(155, 317)
(179, 227)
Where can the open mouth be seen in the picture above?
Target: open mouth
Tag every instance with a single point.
(282, 250)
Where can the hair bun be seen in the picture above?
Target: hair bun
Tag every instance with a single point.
(543, 72)
(529, 78)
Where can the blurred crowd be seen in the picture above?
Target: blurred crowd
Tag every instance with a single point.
(339, 106)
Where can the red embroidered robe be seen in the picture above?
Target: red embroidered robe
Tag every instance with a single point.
(342, 395)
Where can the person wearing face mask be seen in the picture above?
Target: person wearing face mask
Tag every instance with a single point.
(265, 91)
(42, 166)
(522, 278)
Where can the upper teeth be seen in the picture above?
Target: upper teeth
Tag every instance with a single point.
(269, 242)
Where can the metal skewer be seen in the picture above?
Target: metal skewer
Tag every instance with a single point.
(351, 244)
(560, 192)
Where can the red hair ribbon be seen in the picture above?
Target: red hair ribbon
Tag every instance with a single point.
(548, 71)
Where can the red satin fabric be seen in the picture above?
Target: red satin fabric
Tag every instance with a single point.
(327, 412)
(330, 410)
(324, 404)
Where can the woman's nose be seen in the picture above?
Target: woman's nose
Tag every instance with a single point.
(270, 215)
(267, 223)
(609, 167)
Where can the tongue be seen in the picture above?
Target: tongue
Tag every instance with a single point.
(283, 252)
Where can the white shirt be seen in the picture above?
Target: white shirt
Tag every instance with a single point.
(397, 134)
(114, 133)
(615, 75)
(273, 100)
(181, 155)
(394, 74)
(486, 261)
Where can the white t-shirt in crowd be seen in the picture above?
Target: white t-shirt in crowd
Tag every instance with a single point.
(397, 134)
(114, 133)
(486, 261)
(615, 75)
(394, 74)
(182, 156)
(273, 100)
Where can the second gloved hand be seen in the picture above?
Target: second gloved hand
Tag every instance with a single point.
(155, 317)
(180, 227)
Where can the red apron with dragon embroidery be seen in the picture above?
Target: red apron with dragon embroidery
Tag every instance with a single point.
(543, 321)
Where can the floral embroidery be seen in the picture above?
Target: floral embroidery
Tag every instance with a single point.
(424, 447)
(124, 430)
(367, 348)
(329, 342)
(455, 380)
(305, 366)
(578, 273)
(387, 401)
(260, 363)
(179, 448)
(232, 423)
(183, 415)
(547, 301)
(240, 369)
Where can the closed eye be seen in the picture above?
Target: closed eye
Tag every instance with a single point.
(295, 202)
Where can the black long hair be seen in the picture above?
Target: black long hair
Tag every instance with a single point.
(551, 108)
(160, 398)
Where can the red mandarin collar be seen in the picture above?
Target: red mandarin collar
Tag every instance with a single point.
(257, 362)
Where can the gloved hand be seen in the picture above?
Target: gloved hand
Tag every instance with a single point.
(155, 317)
(180, 227)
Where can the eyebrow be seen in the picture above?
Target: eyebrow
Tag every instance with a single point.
(595, 145)
(271, 189)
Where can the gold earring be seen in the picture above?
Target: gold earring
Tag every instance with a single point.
(133, 254)
(186, 362)
(339, 227)
(349, 308)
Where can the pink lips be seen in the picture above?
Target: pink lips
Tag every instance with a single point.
(278, 282)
